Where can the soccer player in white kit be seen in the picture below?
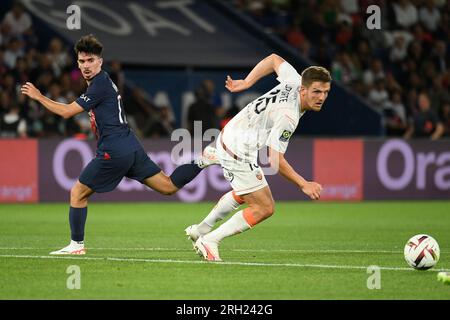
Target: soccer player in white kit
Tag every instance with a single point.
(268, 121)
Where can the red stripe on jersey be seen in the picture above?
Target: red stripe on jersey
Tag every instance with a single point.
(93, 123)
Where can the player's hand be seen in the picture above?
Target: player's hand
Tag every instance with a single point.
(236, 85)
(31, 91)
(312, 189)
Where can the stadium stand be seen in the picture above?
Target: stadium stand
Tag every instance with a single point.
(380, 75)
(390, 68)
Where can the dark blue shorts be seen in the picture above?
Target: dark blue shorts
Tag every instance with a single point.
(104, 175)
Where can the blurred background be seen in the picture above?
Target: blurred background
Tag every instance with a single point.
(382, 134)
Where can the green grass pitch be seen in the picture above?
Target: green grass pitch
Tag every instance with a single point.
(305, 251)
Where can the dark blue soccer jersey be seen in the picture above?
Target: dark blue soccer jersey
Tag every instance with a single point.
(104, 104)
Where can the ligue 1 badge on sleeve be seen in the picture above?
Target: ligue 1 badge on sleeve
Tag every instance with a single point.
(285, 135)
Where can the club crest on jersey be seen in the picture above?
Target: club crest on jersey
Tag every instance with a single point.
(259, 175)
(228, 175)
(285, 135)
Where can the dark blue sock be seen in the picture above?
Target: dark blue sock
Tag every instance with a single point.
(77, 218)
(185, 174)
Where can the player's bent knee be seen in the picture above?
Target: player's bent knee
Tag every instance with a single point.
(169, 191)
(262, 212)
(75, 197)
(79, 195)
(74, 193)
(267, 210)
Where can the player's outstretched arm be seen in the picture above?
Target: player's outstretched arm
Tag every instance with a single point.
(64, 110)
(310, 188)
(263, 68)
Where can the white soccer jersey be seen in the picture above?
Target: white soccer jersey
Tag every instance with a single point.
(270, 120)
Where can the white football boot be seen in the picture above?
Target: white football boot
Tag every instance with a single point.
(208, 157)
(73, 248)
(192, 233)
(209, 250)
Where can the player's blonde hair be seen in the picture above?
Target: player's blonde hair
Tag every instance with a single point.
(313, 74)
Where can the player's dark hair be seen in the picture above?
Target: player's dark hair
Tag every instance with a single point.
(313, 74)
(90, 45)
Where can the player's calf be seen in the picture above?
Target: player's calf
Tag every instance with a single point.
(161, 183)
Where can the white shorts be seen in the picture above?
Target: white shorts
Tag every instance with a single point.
(244, 177)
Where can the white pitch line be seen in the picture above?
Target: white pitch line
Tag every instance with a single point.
(237, 250)
(235, 263)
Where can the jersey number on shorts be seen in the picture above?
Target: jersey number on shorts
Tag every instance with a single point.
(122, 117)
(262, 102)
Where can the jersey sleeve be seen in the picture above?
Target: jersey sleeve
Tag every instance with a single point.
(281, 132)
(287, 73)
(93, 96)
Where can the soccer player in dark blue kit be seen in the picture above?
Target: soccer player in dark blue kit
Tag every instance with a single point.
(119, 153)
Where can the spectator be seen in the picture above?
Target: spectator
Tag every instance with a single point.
(214, 98)
(343, 69)
(52, 126)
(306, 50)
(164, 126)
(14, 50)
(391, 84)
(9, 91)
(161, 100)
(21, 71)
(165, 119)
(394, 113)
(425, 123)
(375, 72)
(65, 82)
(141, 113)
(54, 93)
(443, 29)
(415, 52)
(43, 67)
(440, 56)
(344, 35)
(117, 75)
(350, 7)
(405, 14)
(295, 37)
(378, 95)
(445, 117)
(399, 50)
(438, 94)
(3, 67)
(12, 124)
(18, 21)
(59, 57)
(364, 54)
(201, 110)
(421, 35)
(429, 16)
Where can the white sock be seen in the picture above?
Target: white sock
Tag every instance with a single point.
(225, 205)
(77, 243)
(236, 224)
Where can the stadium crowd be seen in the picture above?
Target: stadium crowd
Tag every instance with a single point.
(401, 69)
(54, 72)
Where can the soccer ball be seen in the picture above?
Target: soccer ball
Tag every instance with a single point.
(422, 252)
